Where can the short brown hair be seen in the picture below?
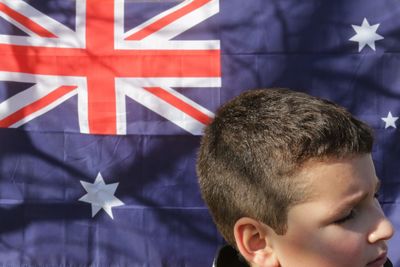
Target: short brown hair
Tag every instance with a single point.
(251, 151)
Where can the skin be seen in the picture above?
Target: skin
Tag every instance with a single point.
(340, 225)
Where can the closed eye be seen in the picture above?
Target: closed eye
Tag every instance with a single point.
(348, 217)
(377, 189)
(354, 204)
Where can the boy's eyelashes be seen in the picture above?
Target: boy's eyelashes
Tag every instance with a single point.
(352, 213)
(348, 217)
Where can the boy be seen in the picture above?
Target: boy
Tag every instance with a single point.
(290, 182)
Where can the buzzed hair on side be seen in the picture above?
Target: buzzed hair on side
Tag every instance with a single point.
(250, 153)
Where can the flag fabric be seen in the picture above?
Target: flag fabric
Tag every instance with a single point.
(102, 104)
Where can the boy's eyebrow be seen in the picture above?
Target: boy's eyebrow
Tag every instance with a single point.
(356, 198)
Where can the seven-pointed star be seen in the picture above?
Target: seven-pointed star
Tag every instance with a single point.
(390, 120)
(101, 195)
(365, 35)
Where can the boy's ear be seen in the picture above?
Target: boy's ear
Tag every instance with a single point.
(253, 242)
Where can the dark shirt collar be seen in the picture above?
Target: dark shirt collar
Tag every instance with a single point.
(227, 256)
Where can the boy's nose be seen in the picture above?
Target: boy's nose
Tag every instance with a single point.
(383, 230)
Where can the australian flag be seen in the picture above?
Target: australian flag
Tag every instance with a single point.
(103, 102)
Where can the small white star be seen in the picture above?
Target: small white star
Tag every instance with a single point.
(390, 120)
(100, 195)
(365, 35)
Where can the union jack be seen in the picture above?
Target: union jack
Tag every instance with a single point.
(102, 63)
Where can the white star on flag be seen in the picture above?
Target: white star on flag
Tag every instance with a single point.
(101, 195)
(366, 35)
(390, 120)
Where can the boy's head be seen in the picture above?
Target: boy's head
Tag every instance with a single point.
(266, 154)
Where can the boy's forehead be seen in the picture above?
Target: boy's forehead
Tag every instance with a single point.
(337, 177)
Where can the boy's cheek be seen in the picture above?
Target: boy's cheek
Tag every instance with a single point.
(342, 242)
(329, 248)
(340, 247)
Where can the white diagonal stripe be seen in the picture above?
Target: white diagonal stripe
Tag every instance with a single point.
(158, 17)
(38, 17)
(65, 36)
(134, 88)
(185, 23)
(165, 110)
(44, 109)
(160, 40)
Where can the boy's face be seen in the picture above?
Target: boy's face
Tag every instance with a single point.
(342, 224)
